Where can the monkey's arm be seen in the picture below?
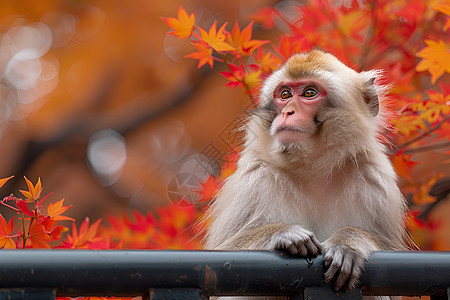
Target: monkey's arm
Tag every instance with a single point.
(345, 254)
(293, 238)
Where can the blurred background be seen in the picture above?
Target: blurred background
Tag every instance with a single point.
(97, 101)
(101, 104)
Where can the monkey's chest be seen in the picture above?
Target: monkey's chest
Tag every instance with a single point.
(321, 211)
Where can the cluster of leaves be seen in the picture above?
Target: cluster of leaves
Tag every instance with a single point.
(38, 228)
(219, 45)
(408, 40)
(170, 228)
(403, 38)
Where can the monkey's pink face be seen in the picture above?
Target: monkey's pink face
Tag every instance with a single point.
(297, 104)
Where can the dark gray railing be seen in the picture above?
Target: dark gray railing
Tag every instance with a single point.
(42, 274)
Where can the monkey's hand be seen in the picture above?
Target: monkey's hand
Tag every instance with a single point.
(296, 240)
(345, 254)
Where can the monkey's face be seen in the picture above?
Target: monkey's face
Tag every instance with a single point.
(315, 106)
(297, 103)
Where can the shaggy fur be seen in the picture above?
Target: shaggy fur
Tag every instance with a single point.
(334, 192)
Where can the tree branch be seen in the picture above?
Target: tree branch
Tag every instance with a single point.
(428, 148)
(425, 134)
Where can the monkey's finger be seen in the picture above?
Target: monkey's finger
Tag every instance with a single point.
(345, 271)
(328, 257)
(334, 267)
(317, 244)
(312, 248)
(356, 273)
(282, 243)
(293, 249)
(302, 248)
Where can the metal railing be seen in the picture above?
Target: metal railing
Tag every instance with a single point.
(44, 274)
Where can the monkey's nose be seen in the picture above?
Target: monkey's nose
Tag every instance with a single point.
(289, 109)
(288, 112)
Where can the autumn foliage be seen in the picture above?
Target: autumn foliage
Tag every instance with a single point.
(409, 41)
(171, 228)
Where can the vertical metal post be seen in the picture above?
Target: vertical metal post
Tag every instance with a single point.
(325, 292)
(27, 294)
(176, 294)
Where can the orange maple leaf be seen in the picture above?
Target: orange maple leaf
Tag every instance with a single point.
(4, 180)
(422, 196)
(266, 62)
(34, 192)
(434, 110)
(445, 9)
(209, 189)
(412, 221)
(436, 59)
(289, 46)
(82, 238)
(5, 231)
(183, 26)
(216, 38)
(242, 40)
(38, 236)
(352, 23)
(174, 218)
(403, 164)
(407, 125)
(136, 232)
(55, 210)
(204, 55)
(230, 164)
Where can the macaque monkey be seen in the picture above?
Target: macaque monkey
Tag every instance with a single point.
(313, 176)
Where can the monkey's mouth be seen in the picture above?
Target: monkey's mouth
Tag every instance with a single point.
(290, 128)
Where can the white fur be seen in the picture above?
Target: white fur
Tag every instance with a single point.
(339, 177)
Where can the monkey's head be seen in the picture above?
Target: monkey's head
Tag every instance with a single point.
(316, 103)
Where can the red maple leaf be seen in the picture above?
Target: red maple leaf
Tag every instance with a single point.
(23, 207)
(5, 233)
(209, 189)
(81, 239)
(265, 16)
(38, 237)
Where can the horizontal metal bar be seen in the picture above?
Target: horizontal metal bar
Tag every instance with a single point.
(27, 294)
(111, 272)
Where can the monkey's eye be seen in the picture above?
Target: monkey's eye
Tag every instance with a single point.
(310, 92)
(285, 94)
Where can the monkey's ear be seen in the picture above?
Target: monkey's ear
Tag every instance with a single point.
(371, 97)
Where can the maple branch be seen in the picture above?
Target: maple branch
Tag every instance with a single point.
(23, 234)
(425, 134)
(428, 148)
(246, 88)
